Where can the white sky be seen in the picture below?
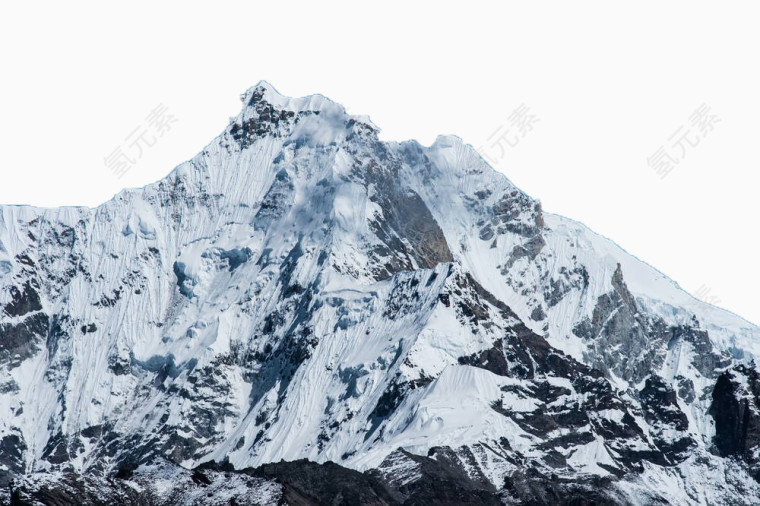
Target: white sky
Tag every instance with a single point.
(608, 83)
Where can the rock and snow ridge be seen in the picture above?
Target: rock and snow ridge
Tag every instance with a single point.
(302, 290)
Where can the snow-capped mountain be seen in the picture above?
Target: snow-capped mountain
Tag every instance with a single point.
(394, 319)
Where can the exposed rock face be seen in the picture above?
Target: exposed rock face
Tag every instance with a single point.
(159, 484)
(670, 425)
(313, 315)
(619, 334)
(736, 410)
(403, 479)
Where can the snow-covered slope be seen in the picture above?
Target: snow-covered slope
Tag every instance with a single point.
(301, 289)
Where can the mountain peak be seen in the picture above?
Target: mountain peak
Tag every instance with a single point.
(264, 91)
(304, 290)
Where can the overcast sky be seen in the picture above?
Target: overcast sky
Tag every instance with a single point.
(640, 121)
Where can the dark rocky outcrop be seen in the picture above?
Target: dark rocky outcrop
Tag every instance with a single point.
(661, 411)
(736, 411)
